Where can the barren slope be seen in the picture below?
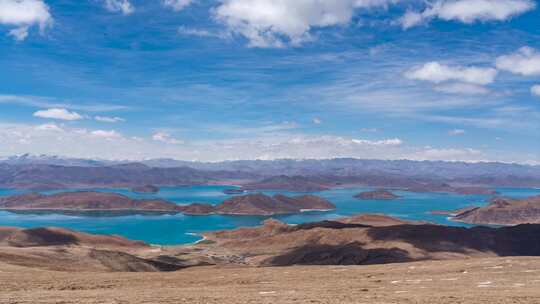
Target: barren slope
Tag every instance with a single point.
(472, 281)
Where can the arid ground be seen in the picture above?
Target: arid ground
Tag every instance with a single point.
(491, 280)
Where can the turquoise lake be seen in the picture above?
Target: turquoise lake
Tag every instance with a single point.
(182, 229)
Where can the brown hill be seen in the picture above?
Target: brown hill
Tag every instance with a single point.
(377, 195)
(67, 250)
(503, 211)
(260, 204)
(378, 240)
(145, 189)
(58, 236)
(84, 201)
(360, 240)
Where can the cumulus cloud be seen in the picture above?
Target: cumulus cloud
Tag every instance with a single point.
(53, 139)
(525, 61)
(450, 154)
(121, 6)
(204, 33)
(386, 142)
(456, 132)
(177, 5)
(535, 90)
(58, 113)
(23, 14)
(437, 73)
(277, 23)
(468, 11)
(166, 138)
(109, 119)
(49, 127)
(106, 134)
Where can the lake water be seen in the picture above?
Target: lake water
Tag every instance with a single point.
(182, 229)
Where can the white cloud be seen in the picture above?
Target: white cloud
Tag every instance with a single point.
(437, 73)
(122, 6)
(166, 138)
(185, 31)
(317, 121)
(23, 14)
(462, 89)
(177, 5)
(450, 154)
(60, 140)
(386, 142)
(456, 132)
(277, 23)
(106, 134)
(468, 11)
(526, 62)
(19, 33)
(49, 127)
(48, 102)
(535, 90)
(109, 119)
(58, 113)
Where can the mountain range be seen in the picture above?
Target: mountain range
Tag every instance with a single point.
(29, 171)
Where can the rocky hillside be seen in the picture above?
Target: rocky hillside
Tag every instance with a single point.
(377, 195)
(371, 240)
(84, 201)
(503, 211)
(260, 204)
(359, 240)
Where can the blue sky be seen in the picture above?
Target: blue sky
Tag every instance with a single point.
(246, 79)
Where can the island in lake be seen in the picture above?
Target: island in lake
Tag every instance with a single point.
(264, 205)
(380, 194)
(234, 191)
(86, 201)
(145, 189)
(500, 211)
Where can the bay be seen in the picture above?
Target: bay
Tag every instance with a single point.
(182, 229)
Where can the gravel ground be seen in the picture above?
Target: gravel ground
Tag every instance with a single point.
(492, 280)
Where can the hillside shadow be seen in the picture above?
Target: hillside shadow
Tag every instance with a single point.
(522, 240)
(42, 237)
(348, 254)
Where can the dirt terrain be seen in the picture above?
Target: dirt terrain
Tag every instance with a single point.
(472, 281)
(371, 259)
(502, 211)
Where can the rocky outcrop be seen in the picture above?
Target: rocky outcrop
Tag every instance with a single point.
(503, 211)
(84, 201)
(377, 195)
